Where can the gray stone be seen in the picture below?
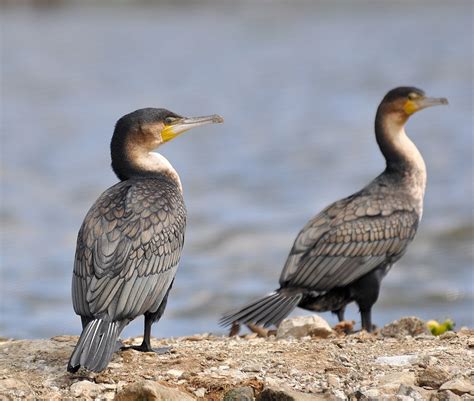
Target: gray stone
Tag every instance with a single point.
(151, 391)
(448, 335)
(433, 376)
(371, 394)
(389, 383)
(409, 391)
(240, 394)
(303, 326)
(339, 395)
(85, 388)
(200, 392)
(15, 389)
(176, 373)
(407, 326)
(445, 395)
(333, 381)
(459, 386)
(286, 394)
(397, 360)
(404, 377)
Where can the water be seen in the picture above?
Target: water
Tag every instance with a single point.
(297, 83)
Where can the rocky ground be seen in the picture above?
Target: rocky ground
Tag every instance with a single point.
(305, 360)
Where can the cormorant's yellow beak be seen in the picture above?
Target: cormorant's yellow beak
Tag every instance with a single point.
(412, 106)
(181, 125)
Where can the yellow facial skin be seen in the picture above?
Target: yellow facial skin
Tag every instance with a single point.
(410, 107)
(181, 125)
(413, 105)
(167, 133)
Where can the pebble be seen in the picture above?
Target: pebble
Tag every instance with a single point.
(151, 391)
(410, 391)
(459, 386)
(398, 360)
(176, 373)
(303, 326)
(446, 395)
(200, 392)
(448, 335)
(433, 376)
(85, 388)
(333, 381)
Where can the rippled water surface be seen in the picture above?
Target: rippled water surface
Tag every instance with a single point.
(297, 83)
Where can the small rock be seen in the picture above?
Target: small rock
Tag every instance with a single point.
(151, 391)
(410, 392)
(286, 394)
(251, 368)
(433, 376)
(459, 386)
(302, 326)
(448, 335)
(407, 326)
(390, 382)
(15, 388)
(85, 388)
(397, 360)
(200, 392)
(445, 395)
(465, 331)
(339, 395)
(240, 394)
(427, 360)
(371, 394)
(175, 373)
(333, 381)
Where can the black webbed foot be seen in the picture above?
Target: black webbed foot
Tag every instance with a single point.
(147, 348)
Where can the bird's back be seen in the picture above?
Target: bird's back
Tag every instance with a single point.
(353, 236)
(128, 249)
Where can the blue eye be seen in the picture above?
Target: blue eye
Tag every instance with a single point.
(169, 120)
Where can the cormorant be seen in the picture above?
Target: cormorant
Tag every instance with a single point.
(342, 254)
(130, 242)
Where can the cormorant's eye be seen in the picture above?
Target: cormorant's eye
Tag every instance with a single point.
(169, 120)
(413, 96)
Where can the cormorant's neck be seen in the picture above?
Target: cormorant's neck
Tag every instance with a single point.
(401, 154)
(131, 160)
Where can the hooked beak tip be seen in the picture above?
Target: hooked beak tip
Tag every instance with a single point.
(217, 119)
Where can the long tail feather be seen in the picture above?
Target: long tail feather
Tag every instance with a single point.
(266, 311)
(95, 346)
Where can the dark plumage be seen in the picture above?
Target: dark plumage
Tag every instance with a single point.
(342, 254)
(129, 245)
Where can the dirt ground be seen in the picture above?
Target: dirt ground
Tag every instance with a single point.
(204, 366)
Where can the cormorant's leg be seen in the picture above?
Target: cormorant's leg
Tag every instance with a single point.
(340, 313)
(150, 318)
(366, 316)
(365, 292)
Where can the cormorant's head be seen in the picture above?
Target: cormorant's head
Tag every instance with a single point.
(149, 128)
(406, 100)
(137, 134)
